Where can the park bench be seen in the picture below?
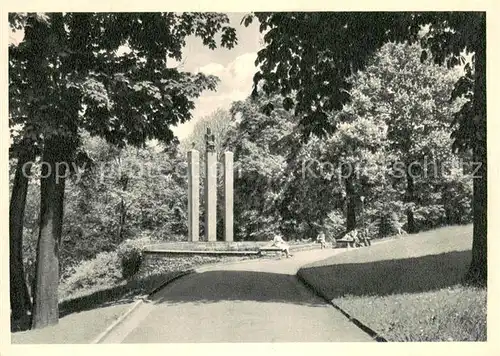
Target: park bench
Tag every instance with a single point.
(292, 248)
(349, 241)
(345, 242)
(264, 249)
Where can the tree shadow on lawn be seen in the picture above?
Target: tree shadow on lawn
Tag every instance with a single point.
(381, 278)
(103, 298)
(117, 295)
(121, 294)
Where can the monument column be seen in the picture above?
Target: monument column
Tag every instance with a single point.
(193, 195)
(228, 196)
(210, 188)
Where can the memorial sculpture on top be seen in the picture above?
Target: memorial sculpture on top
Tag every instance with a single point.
(209, 141)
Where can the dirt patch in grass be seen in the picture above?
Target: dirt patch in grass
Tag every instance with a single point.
(407, 289)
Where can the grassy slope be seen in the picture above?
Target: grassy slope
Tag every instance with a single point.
(408, 289)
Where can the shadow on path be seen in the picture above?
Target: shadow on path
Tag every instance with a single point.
(234, 286)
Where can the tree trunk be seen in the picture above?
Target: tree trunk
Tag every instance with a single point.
(30, 277)
(312, 230)
(448, 216)
(122, 210)
(478, 269)
(121, 220)
(351, 203)
(410, 196)
(20, 302)
(45, 300)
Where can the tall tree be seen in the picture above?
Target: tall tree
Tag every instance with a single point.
(260, 144)
(359, 146)
(313, 54)
(24, 148)
(413, 99)
(71, 77)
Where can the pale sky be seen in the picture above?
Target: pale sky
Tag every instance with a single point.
(235, 69)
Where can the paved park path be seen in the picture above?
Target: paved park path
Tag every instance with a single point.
(254, 301)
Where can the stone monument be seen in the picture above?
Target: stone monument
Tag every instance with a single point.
(210, 192)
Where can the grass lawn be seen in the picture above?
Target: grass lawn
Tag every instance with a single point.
(75, 328)
(408, 289)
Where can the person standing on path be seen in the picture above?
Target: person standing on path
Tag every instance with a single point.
(322, 239)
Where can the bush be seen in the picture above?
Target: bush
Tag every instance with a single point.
(131, 256)
(429, 217)
(388, 224)
(130, 253)
(102, 271)
(334, 225)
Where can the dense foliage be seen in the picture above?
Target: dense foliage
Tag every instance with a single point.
(309, 56)
(391, 148)
(280, 185)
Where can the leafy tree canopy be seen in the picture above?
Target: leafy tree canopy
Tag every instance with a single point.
(68, 74)
(313, 54)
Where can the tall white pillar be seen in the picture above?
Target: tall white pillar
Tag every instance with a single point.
(228, 196)
(193, 195)
(211, 197)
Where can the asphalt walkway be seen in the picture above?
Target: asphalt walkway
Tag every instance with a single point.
(255, 301)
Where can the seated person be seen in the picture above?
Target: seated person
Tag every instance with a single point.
(353, 236)
(364, 237)
(279, 242)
